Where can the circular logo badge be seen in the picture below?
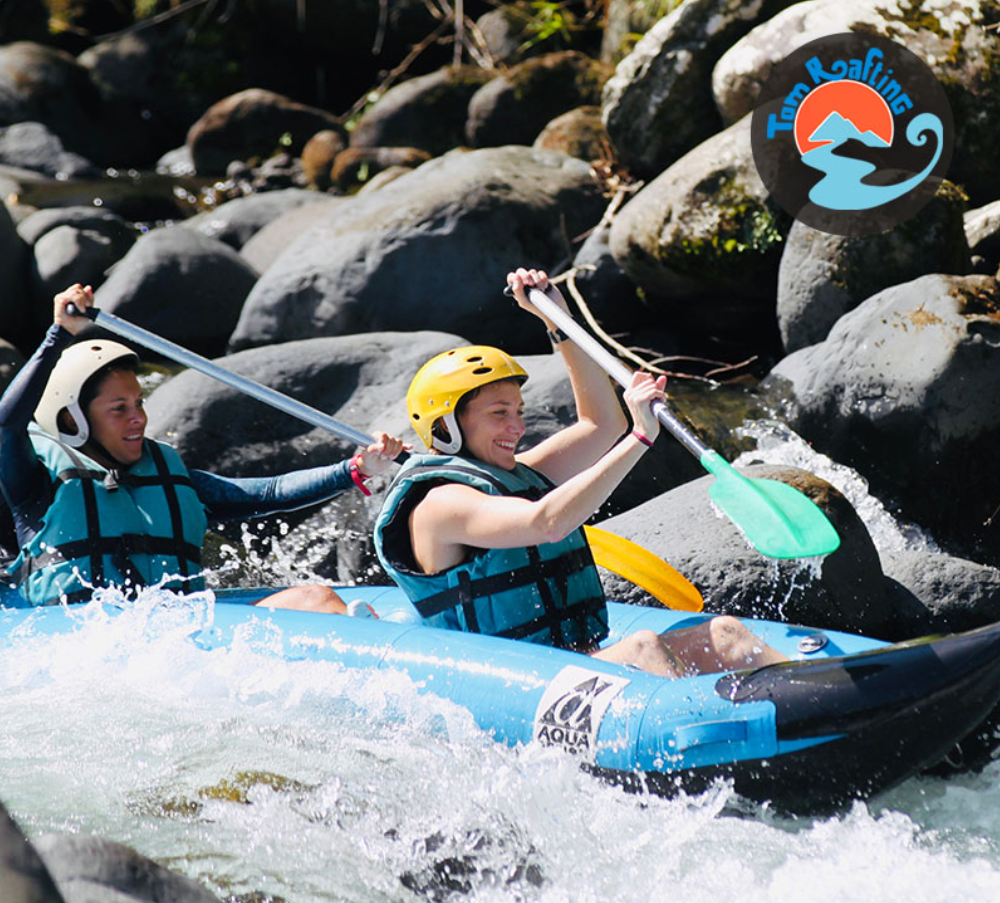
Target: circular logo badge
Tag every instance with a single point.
(852, 135)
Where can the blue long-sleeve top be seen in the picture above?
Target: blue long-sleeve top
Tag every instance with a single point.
(28, 490)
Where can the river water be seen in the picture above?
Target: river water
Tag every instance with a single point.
(303, 782)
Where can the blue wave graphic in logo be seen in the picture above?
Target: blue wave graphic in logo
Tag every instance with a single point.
(842, 188)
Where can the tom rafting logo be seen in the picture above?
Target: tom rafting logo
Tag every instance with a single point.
(852, 135)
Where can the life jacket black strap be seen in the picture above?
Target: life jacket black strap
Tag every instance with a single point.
(127, 544)
(119, 549)
(553, 617)
(530, 574)
(577, 612)
(173, 503)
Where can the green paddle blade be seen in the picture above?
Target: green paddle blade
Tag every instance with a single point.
(777, 519)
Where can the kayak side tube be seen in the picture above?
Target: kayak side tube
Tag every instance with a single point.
(848, 718)
(807, 736)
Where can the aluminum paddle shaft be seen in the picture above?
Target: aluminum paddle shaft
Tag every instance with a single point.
(182, 355)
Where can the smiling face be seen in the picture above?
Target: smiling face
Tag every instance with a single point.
(492, 423)
(117, 418)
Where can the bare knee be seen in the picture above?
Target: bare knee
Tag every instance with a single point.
(643, 643)
(643, 650)
(725, 630)
(738, 646)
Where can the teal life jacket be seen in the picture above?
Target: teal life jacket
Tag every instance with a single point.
(131, 527)
(548, 594)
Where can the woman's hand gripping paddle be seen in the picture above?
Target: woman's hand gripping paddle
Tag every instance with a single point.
(777, 519)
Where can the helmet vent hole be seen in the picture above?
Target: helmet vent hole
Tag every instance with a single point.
(479, 371)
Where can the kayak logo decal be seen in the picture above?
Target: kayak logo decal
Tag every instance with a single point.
(852, 134)
(572, 707)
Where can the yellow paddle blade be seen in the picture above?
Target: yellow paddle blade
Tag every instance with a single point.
(641, 567)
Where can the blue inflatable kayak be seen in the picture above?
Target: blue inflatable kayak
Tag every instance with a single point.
(849, 717)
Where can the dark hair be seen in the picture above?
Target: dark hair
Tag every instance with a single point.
(92, 387)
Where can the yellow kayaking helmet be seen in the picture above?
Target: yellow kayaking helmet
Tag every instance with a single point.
(75, 366)
(440, 384)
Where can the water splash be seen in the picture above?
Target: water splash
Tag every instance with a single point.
(777, 443)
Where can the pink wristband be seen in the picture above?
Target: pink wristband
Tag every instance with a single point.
(642, 438)
(358, 477)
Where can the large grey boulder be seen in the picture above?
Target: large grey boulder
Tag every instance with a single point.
(96, 870)
(67, 255)
(23, 875)
(180, 285)
(658, 105)
(33, 146)
(514, 107)
(267, 244)
(96, 219)
(956, 40)
(352, 378)
(72, 868)
(904, 390)
(427, 112)
(703, 240)
(253, 123)
(936, 592)
(236, 221)
(822, 276)
(43, 85)
(430, 250)
(842, 590)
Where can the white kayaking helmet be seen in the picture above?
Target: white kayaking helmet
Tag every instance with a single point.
(76, 365)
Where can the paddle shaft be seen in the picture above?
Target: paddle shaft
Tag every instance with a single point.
(610, 364)
(182, 355)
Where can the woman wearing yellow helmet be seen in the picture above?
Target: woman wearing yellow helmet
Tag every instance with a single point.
(487, 539)
(96, 502)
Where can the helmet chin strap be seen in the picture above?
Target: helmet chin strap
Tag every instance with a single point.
(453, 445)
(83, 437)
(82, 433)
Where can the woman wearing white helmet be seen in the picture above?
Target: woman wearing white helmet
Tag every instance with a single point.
(97, 503)
(487, 539)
